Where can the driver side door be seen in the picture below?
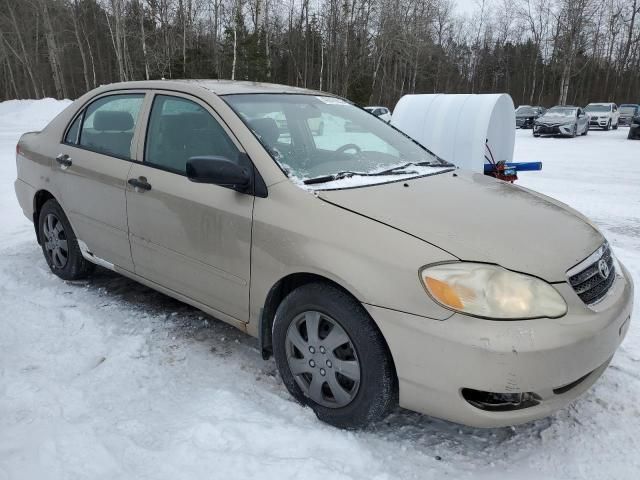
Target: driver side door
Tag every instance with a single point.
(583, 121)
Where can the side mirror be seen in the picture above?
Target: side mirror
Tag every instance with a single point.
(219, 171)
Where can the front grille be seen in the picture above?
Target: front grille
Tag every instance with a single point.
(548, 129)
(594, 281)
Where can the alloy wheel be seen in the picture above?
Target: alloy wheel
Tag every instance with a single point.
(55, 241)
(322, 359)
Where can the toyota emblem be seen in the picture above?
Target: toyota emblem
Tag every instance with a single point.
(603, 268)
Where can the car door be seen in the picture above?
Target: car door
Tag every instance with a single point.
(192, 238)
(583, 121)
(91, 170)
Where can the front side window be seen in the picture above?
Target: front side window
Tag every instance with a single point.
(180, 129)
(327, 136)
(109, 124)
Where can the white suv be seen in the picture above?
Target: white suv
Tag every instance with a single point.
(603, 115)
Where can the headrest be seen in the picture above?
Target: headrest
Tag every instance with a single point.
(267, 128)
(113, 120)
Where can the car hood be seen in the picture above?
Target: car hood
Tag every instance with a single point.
(555, 120)
(478, 218)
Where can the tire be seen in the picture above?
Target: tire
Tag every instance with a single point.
(362, 353)
(60, 245)
(586, 130)
(608, 127)
(615, 127)
(574, 132)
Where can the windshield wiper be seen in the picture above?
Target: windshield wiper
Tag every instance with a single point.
(335, 176)
(397, 170)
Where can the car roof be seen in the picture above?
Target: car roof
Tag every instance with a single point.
(374, 106)
(601, 103)
(218, 87)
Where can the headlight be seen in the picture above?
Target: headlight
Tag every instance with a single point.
(491, 291)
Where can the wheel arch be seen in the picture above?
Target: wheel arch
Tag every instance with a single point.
(39, 199)
(277, 294)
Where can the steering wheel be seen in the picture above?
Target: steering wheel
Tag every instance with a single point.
(349, 146)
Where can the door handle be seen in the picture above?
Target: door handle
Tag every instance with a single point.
(64, 160)
(140, 184)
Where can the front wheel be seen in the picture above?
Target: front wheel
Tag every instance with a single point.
(332, 357)
(615, 127)
(60, 245)
(586, 130)
(608, 127)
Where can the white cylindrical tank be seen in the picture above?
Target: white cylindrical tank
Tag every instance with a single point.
(456, 127)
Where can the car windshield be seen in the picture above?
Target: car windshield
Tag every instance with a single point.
(525, 111)
(597, 108)
(319, 139)
(560, 112)
(628, 109)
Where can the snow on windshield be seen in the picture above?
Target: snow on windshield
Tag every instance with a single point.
(561, 112)
(313, 137)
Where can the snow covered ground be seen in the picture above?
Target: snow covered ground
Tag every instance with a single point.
(106, 379)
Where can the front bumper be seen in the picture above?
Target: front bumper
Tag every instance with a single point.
(598, 122)
(436, 360)
(524, 123)
(551, 130)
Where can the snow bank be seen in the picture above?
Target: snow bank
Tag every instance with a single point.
(34, 113)
(105, 379)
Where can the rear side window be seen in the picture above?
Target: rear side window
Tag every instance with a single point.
(74, 130)
(180, 129)
(109, 124)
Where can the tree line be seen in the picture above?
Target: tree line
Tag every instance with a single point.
(370, 51)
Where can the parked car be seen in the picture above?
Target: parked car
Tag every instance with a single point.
(603, 115)
(382, 113)
(526, 115)
(627, 112)
(372, 270)
(634, 128)
(567, 121)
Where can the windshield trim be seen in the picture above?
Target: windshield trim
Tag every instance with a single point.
(327, 94)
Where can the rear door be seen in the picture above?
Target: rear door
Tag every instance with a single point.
(92, 167)
(192, 238)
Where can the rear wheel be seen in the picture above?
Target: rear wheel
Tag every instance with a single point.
(60, 245)
(332, 357)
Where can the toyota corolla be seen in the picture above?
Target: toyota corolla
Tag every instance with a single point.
(373, 271)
